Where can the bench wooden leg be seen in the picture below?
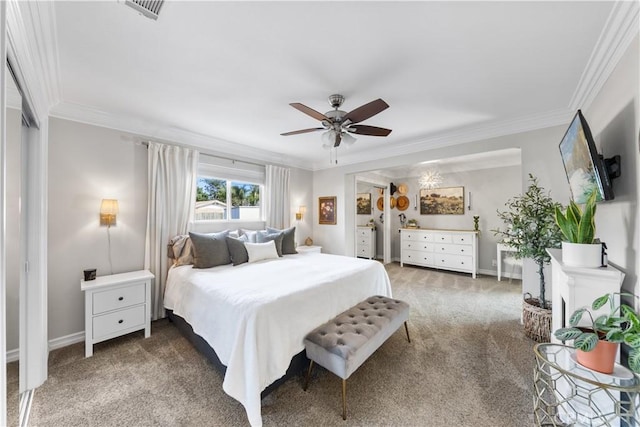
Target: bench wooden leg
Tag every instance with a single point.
(306, 383)
(406, 328)
(344, 399)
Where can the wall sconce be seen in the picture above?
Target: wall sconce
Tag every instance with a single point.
(301, 211)
(108, 212)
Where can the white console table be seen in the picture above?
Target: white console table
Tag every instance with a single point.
(501, 247)
(575, 287)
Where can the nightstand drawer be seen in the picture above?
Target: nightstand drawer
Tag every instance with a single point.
(111, 323)
(114, 299)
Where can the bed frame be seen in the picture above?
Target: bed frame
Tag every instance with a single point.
(299, 362)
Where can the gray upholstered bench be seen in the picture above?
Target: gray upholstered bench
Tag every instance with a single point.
(343, 343)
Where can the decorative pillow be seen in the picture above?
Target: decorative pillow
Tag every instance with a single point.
(237, 251)
(234, 233)
(264, 236)
(251, 234)
(261, 251)
(180, 249)
(210, 250)
(288, 241)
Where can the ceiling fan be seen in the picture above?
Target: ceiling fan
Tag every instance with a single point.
(339, 125)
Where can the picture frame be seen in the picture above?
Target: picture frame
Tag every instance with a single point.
(442, 201)
(327, 210)
(363, 204)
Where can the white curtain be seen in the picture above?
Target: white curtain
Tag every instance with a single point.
(172, 193)
(277, 205)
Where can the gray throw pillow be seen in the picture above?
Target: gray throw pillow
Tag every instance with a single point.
(237, 250)
(264, 237)
(288, 241)
(210, 250)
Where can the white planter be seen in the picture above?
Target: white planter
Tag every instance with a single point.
(582, 255)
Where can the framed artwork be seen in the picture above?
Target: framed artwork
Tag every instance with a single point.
(363, 203)
(442, 201)
(327, 210)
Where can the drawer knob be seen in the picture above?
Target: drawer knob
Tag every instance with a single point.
(120, 321)
(461, 250)
(120, 298)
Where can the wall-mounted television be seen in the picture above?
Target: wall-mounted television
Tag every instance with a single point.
(586, 169)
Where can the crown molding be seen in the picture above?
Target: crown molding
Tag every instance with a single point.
(145, 129)
(478, 132)
(619, 30)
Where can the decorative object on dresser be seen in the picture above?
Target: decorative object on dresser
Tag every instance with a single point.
(455, 250)
(412, 223)
(531, 229)
(345, 342)
(442, 201)
(363, 204)
(116, 305)
(366, 242)
(89, 274)
(476, 223)
(597, 345)
(327, 210)
(579, 228)
(308, 241)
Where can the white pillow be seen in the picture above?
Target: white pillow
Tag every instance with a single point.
(261, 251)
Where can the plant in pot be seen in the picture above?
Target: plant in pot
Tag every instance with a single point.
(596, 348)
(531, 229)
(579, 228)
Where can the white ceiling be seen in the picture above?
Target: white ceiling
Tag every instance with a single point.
(220, 75)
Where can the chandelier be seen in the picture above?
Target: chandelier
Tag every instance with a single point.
(430, 179)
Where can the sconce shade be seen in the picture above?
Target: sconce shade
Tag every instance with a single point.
(108, 212)
(301, 211)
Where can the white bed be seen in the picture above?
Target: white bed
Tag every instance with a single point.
(256, 315)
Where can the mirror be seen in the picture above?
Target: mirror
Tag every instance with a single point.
(13, 243)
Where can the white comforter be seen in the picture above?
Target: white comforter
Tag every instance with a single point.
(255, 316)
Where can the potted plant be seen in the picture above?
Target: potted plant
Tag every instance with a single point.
(531, 229)
(579, 228)
(596, 348)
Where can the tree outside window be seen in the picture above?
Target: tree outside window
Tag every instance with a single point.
(215, 195)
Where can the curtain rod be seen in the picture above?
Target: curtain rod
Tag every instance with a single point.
(146, 144)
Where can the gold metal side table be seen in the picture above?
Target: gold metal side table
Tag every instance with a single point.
(568, 394)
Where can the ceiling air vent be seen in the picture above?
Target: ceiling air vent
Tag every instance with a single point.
(149, 8)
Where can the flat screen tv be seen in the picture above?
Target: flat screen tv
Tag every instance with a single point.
(585, 168)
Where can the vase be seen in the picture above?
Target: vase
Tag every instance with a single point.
(600, 359)
(582, 255)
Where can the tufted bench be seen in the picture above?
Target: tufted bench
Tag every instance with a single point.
(343, 343)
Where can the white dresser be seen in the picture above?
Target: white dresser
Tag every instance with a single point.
(116, 305)
(455, 250)
(366, 242)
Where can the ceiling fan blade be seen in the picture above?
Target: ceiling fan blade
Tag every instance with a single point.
(297, 132)
(369, 130)
(309, 111)
(365, 111)
(338, 140)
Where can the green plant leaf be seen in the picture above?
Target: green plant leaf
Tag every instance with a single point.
(633, 340)
(600, 302)
(586, 223)
(601, 322)
(615, 335)
(586, 342)
(564, 224)
(630, 314)
(634, 360)
(566, 334)
(576, 316)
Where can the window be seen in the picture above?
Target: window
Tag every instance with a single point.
(215, 195)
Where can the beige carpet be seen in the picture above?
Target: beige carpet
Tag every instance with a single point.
(469, 364)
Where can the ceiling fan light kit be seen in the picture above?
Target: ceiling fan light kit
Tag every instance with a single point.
(339, 125)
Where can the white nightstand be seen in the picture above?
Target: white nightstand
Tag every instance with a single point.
(309, 249)
(116, 305)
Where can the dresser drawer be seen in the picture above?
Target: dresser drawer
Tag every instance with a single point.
(442, 238)
(456, 262)
(448, 248)
(364, 232)
(364, 250)
(462, 239)
(364, 240)
(114, 299)
(417, 246)
(417, 236)
(112, 323)
(417, 257)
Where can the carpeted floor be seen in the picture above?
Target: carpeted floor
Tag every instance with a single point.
(469, 364)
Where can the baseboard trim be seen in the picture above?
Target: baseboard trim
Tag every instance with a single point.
(54, 344)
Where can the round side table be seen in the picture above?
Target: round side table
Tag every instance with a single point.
(568, 394)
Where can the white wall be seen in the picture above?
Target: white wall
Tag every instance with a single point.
(614, 119)
(86, 164)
